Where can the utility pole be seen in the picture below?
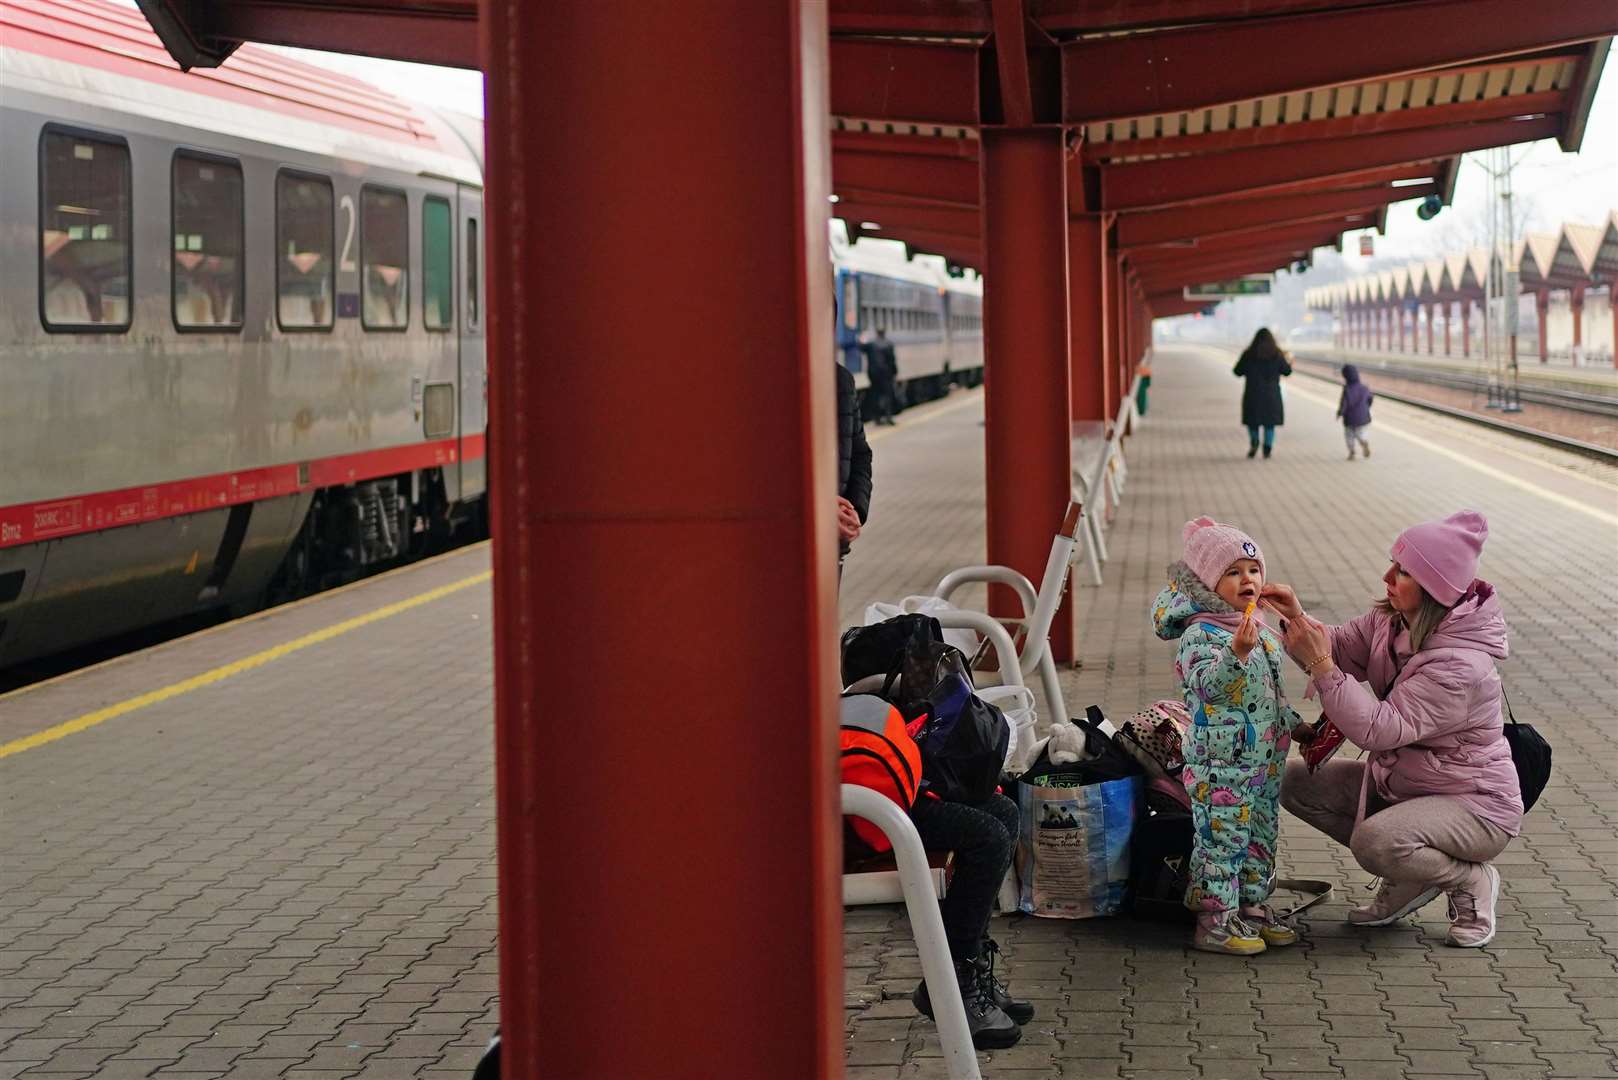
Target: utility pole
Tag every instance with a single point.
(1501, 288)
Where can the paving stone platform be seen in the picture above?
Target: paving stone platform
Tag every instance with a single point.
(1119, 998)
(289, 872)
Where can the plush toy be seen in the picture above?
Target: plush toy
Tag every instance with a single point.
(1066, 744)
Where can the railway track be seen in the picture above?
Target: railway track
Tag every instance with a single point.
(1577, 400)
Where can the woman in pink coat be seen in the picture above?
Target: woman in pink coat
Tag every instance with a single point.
(1413, 682)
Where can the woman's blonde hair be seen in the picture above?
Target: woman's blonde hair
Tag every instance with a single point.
(1423, 623)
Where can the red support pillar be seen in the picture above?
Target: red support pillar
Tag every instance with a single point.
(1449, 320)
(1429, 306)
(1399, 313)
(1612, 307)
(1115, 328)
(1542, 305)
(1028, 436)
(1466, 328)
(720, 494)
(1089, 378)
(1575, 300)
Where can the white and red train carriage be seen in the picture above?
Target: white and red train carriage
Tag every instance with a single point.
(241, 327)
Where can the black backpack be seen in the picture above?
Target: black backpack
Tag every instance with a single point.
(963, 738)
(1530, 753)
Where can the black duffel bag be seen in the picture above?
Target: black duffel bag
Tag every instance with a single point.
(881, 648)
(963, 738)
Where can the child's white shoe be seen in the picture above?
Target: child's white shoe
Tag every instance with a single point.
(1275, 931)
(1225, 932)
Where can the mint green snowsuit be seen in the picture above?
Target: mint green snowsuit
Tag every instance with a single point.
(1235, 754)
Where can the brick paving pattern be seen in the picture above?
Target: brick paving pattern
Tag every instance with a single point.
(1120, 998)
(289, 873)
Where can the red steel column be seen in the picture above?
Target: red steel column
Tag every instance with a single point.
(1028, 436)
(1088, 377)
(1449, 320)
(1466, 328)
(1612, 307)
(664, 493)
(1399, 313)
(1542, 305)
(1429, 307)
(1575, 303)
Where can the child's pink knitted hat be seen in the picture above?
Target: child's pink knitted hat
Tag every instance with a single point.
(1443, 555)
(1210, 548)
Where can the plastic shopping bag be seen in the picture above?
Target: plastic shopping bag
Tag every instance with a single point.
(1074, 837)
(963, 639)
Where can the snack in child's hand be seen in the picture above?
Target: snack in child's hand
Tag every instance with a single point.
(1251, 604)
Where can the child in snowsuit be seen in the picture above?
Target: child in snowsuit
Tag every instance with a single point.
(1354, 407)
(1229, 666)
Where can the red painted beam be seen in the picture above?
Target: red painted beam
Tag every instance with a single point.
(905, 80)
(913, 177)
(443, 32)
(1011, 62)
(879, 142)
(1237, 216)
(1337, 127)
(959, 223)
(939, 18)
(957, 249)
(1217, 247)
(1200, 67)
(1181, 180)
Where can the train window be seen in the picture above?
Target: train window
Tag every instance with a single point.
(437, 265)
(473, 263)
(384, 259)
(208, 285)
(305, 236)
(84, 227)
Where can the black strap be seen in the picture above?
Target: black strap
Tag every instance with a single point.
(1507, 700)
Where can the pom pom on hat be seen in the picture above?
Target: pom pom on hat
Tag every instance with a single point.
(1210, 548)
(1443, 555)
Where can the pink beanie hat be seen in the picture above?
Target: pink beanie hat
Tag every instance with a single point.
(1210, 548)
(1443, 555)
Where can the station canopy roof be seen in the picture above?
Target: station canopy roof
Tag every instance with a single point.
(1225, 137)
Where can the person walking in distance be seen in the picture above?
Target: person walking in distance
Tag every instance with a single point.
(853, 466)
(883, 367)
(1354, 409)
(1262, 364)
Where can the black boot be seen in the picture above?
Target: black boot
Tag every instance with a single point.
(1266, 452)
(1020, 1011)
(991, 1028)
(1252, 451)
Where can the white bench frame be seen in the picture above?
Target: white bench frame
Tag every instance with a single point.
(1038, 611)
(926, 924)
(1105, 484)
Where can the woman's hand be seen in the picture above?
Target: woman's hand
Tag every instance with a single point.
(1282, 599)
(1306, 642)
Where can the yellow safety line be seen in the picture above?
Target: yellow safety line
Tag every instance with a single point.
(976, 398)
(123, 708)
(1486, 470)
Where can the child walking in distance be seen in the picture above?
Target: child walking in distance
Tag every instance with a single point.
(1229, 668)
(1354, 408)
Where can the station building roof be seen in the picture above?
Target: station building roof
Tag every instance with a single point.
(1575, 256)
(1218, 137)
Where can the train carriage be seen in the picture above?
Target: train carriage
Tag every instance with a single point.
(241, 327)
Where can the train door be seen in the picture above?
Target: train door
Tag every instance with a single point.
(474, 376)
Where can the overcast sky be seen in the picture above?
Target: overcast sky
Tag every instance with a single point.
(1551, 186)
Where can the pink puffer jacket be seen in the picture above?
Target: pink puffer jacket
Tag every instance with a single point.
(1431, 720)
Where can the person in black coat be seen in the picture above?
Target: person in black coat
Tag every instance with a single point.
(853, 466)
(882, 365)
(1262, 364)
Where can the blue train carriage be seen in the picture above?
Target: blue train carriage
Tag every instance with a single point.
(933, 318)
